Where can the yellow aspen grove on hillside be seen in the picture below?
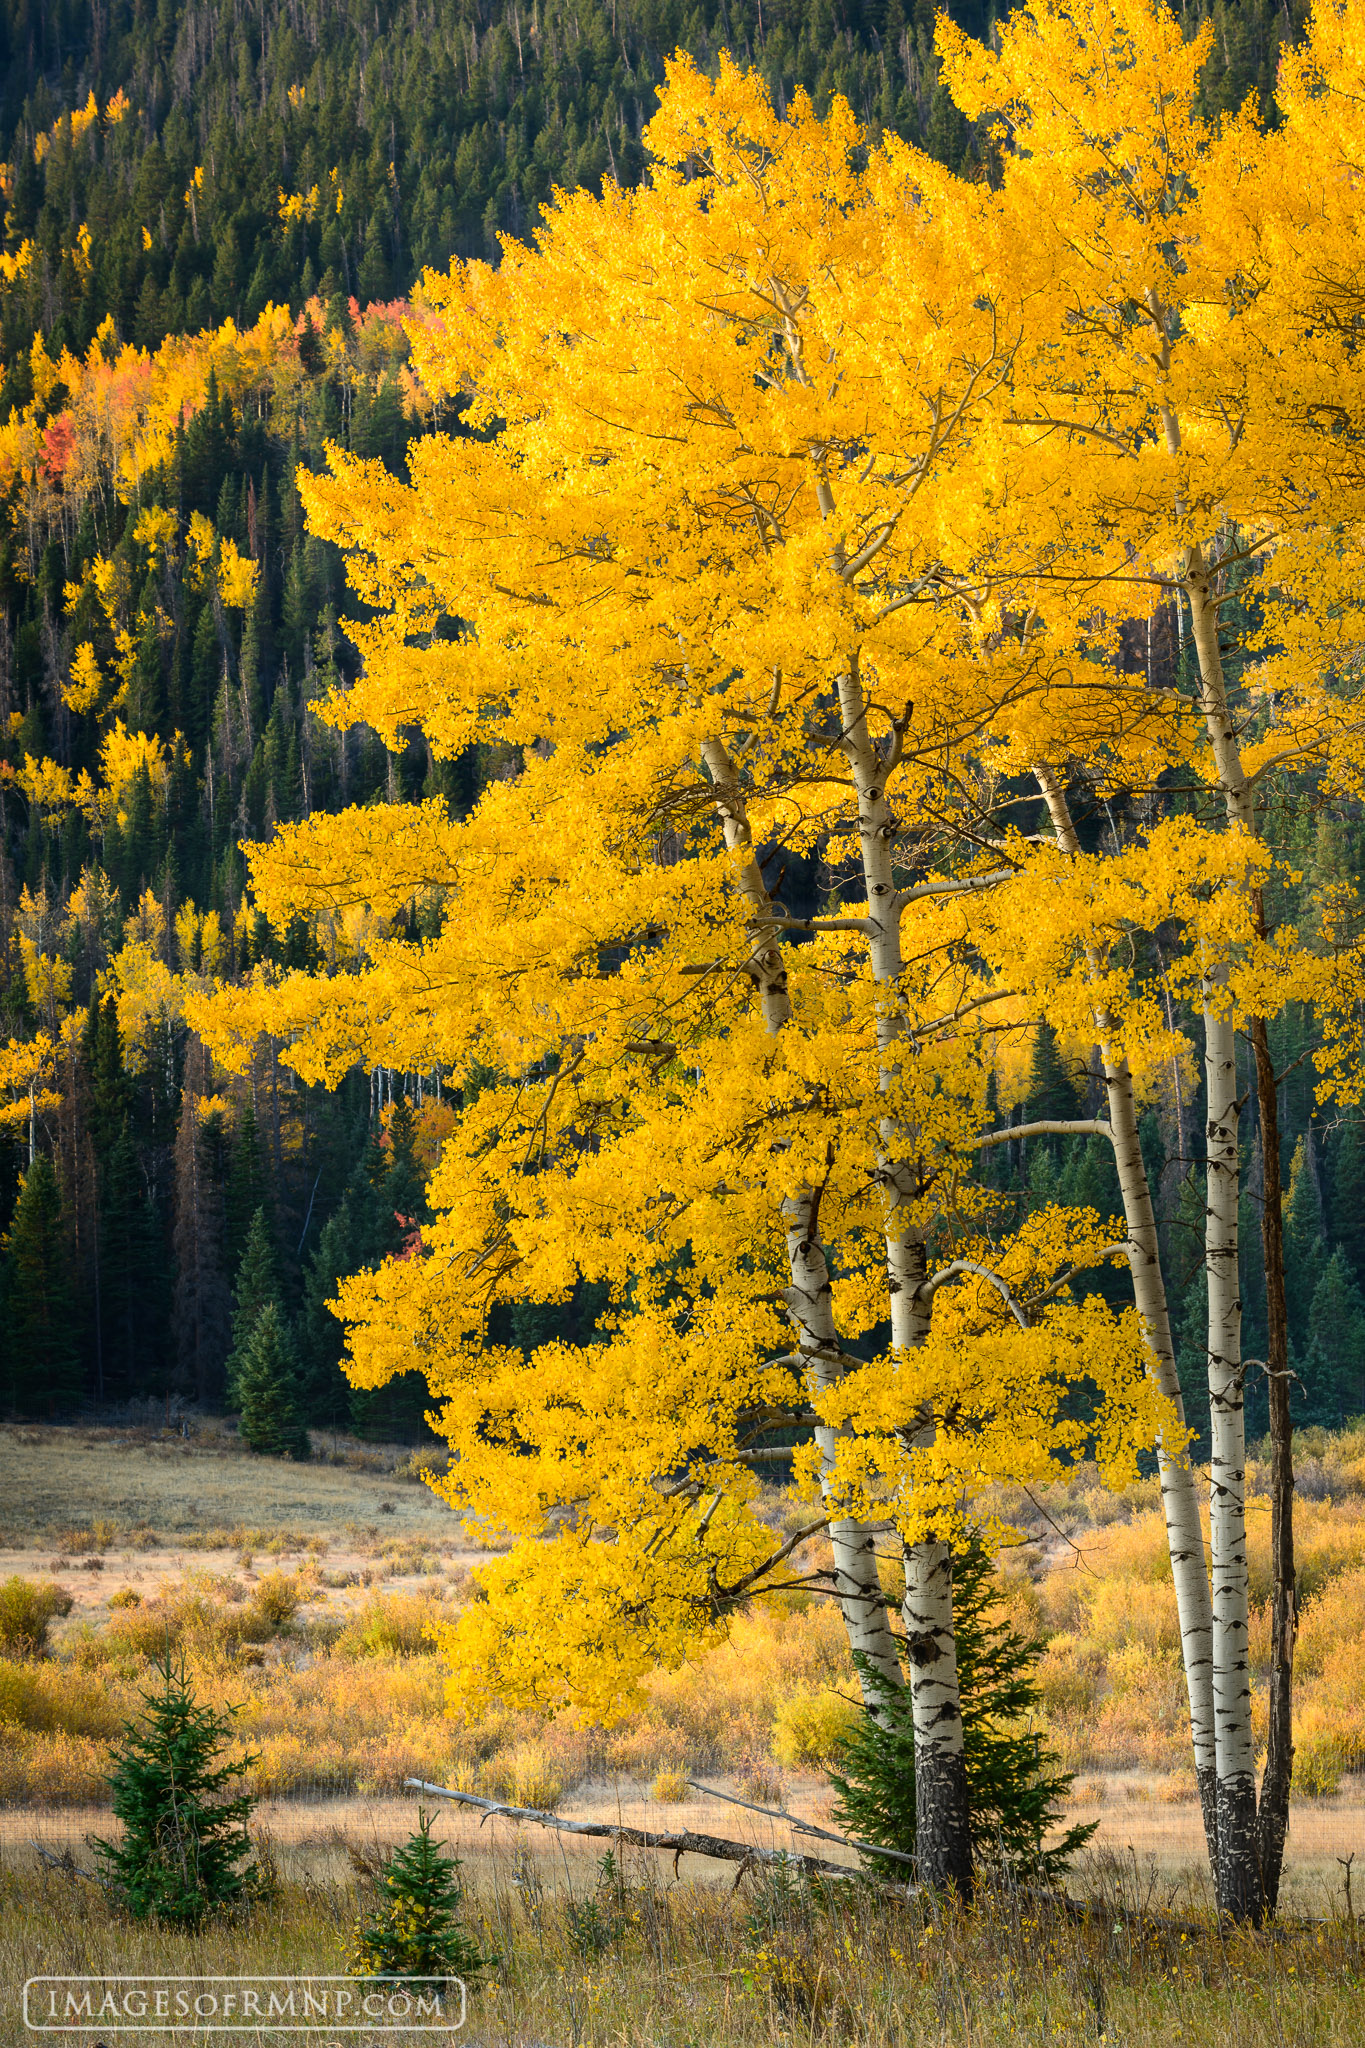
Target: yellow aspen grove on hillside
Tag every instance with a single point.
(1182, 417)
(705, 563)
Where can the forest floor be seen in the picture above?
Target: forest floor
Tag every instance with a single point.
(300, 1594)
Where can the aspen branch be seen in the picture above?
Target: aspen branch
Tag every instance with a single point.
(968, 884)
(999, 995)
(800, 1827)
(682, 1842)
(1048, 1127)
(1073, 427)
(895, 753)
(1316, 746)
(1109, 1251)
(818, 924)
(873, 548)
(793, 1543)
(928, 1288)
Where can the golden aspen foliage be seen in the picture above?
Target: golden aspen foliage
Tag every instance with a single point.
(726, 440)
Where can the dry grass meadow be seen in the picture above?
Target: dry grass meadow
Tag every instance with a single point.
(300, 1595)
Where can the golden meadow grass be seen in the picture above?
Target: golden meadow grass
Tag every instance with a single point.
(326, 1659)
(638, 1958)
(310, 1620)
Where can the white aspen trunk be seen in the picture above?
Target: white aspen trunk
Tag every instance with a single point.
(856, 1578)
(1240, 1888)
(1179, 1492)
(943, 1845)
(1238, 1864)
(809, 1302)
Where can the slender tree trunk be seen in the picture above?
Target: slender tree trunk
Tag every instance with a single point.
(809, 1302)
(1239, 1881)
(1272, 1820)
(943, 1842)
(1239, 1886)
(1179, 1492)
(1239, 1889)
(856, 1578)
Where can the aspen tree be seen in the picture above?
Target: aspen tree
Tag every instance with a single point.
(687, 559)
(1174, 420)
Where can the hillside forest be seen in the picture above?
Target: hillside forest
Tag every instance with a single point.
(215, 226)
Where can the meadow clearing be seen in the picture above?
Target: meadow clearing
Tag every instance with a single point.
(299, 1594)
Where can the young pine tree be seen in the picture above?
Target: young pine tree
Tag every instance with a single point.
(1014, 1788)
(185, 1851)
(415, 1929)
(267, 1388)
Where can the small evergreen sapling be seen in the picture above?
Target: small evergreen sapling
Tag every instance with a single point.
(415, 1930)
(185, 1851)
(1014, 1790)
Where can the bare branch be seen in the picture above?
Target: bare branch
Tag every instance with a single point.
(1048, 1127)
(928, 1288)
(820, 924)
(682, 1843)
(966, 886)
(799, 1827)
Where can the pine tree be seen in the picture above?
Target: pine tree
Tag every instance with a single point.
(326, 1394)
(133, 1276)
(185, 1849)
(1333, 1364)
(102, 1057)
(416, 1931)
(1015, 1789)
(1052, 1092)
(247, 1188)
(257, 1286)
(394, 1202)
(1305, 1253)
(1347, 1207)
(42, 1371)
(267, 1388)
(202, 1300)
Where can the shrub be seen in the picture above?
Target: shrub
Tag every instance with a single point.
(128, 1597)
(525, 1775)
(598, 1923)
(185, 1849)
(809, 1728)
(27, 1612)
(391, 1624)
(670, 1788)
(52, 1769)
(274, 1604)
(1317, 1767)
(47, 1698)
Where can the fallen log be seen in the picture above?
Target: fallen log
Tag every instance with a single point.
(684, 1842)
(677, 1842)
